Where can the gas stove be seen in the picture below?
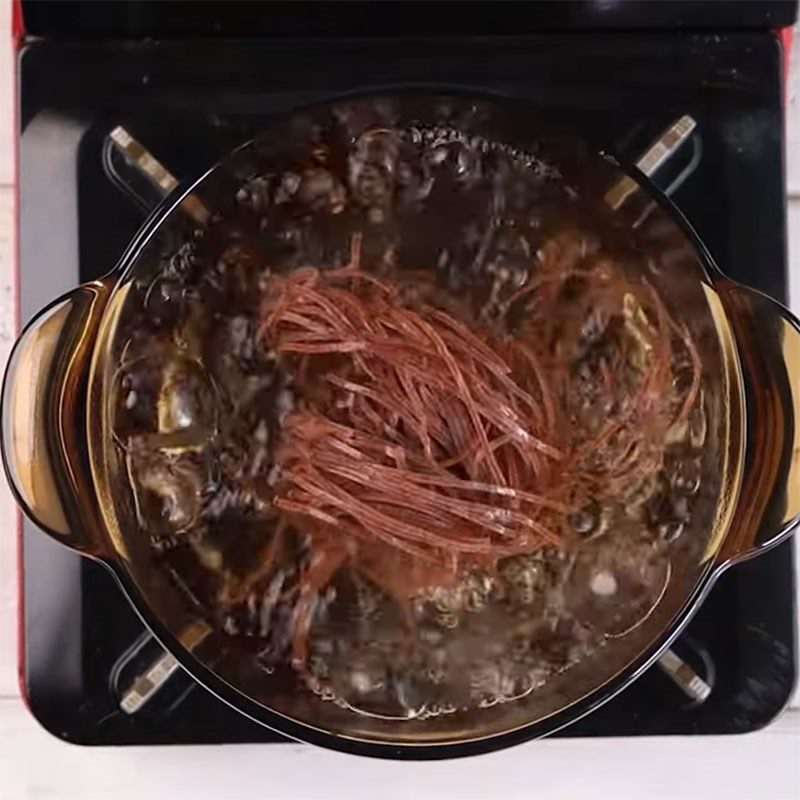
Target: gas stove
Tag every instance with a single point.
(91, 108)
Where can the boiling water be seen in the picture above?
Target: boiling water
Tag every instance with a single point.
(460, 223)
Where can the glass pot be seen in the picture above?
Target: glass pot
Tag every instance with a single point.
(64, 464)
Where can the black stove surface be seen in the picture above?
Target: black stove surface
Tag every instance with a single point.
(191, 102)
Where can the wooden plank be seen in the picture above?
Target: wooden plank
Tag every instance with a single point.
(764, 765)
(8, 509)
(7, 79)
(8, 514)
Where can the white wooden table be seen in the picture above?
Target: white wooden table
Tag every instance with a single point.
(33, 764)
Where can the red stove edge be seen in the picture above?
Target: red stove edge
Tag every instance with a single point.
(18, 36)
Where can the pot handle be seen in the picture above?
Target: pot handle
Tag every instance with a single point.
(43, 424)
(768, 339)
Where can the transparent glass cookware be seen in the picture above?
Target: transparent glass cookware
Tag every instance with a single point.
(496, 163)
